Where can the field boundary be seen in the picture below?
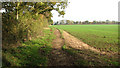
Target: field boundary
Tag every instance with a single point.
(73, 42)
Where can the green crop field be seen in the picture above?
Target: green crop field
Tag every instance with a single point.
(103, 37)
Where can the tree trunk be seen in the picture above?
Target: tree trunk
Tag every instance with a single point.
(17, 14)
(17, 10)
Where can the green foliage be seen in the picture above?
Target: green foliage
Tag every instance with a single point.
(25, 20)
(31, 53)
(63, 47)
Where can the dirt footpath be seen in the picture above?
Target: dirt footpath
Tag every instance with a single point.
(58, 57)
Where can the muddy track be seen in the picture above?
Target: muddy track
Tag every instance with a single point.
(58, 57)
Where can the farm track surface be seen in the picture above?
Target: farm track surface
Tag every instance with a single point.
(59, 57)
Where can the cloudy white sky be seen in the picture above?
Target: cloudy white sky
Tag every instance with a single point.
(81, 10)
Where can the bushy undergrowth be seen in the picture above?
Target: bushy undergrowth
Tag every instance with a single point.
(31, 53)
(28, 26)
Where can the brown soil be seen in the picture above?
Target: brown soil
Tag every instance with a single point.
(58, 57)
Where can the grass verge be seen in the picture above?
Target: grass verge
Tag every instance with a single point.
(30, 53)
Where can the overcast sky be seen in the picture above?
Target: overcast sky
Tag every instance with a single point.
(82, 10)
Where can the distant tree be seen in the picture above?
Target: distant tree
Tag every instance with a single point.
(77, 22)
(107, 21)
(57, 23)
(62, 22)
(103, 22)
(68, 21)
(80, 22)
(94, 22)
(113, 22)
(86, 22)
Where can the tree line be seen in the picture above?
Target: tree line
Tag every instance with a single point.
(70, 22)
(25, 20)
